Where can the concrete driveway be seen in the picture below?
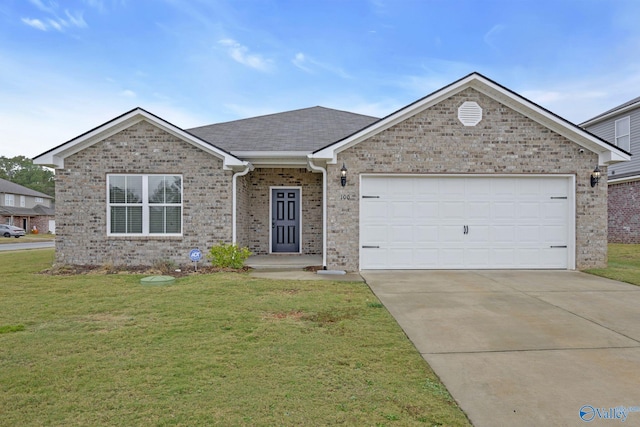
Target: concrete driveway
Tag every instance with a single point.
(524, 348)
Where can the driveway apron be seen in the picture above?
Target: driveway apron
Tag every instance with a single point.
(524, 348)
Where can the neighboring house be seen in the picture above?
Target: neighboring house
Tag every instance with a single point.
(26, 208)
(471, 176)
(621, 127)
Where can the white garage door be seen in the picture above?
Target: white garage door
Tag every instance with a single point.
(409, 222)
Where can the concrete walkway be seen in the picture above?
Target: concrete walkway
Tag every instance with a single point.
(524, 348)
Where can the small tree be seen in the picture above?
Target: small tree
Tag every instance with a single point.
(228, 256)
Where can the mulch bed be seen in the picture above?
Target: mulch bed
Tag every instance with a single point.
(70, 270)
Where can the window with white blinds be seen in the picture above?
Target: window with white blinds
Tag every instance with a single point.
(623, 133)
(144, 204)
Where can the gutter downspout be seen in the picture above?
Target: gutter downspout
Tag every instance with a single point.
(324, 208)
(248, 168)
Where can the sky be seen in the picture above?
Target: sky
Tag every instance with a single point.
(68, 66)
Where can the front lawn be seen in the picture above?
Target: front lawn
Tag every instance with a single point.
(222, 349)
(28, 238)
(623, 264)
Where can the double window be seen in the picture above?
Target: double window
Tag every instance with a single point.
(623, 133)
(144, 204)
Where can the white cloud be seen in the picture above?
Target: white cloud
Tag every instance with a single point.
(308, 64)
(54, 21)
(40, 5)
(127, 93)
(299, 61)
(56, 25)
(76, 19)
(491, 37)
(35, 23)
(241, 54)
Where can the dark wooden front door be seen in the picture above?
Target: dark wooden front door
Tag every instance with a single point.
(285, 220)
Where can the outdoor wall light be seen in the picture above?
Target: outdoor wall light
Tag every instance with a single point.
(595, 176)
(343, 175)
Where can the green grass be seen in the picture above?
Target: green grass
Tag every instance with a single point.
(223, 349)
(29, 238)
(623, 264)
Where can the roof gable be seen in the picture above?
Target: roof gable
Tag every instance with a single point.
(607, 153)
(55, 157)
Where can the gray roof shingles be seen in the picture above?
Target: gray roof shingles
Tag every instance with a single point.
(13, 188)
(305, 130)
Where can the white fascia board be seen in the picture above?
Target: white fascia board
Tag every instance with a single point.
(274, 158)
(613, 180)
(55, 157)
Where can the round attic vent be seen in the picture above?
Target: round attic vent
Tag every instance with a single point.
(470, 113)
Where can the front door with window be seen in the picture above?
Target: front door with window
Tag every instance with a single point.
(285, 220)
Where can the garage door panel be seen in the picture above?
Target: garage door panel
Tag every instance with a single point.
(451, 233)
(403, 258)
(426, 258)
(529, 210)
(557, 211)
(451, 258)
(476, 258)
(452, 210)
(478, 210)
(427, 211)
(505, 234)
(374, 211)
(402, 235)
(466, 222)
(401, 212)
(426, 234)
(374, 234)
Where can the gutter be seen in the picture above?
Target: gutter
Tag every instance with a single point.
(324, 207)
(248, 168)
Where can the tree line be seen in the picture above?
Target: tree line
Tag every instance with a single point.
(21, 170)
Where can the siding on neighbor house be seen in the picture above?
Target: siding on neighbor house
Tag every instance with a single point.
(606, 131)
(435, 142)
(81, 208)
(255, 213)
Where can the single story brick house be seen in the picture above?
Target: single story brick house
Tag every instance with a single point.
(472, 176)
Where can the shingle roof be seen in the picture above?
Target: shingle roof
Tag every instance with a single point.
(613, 110)
(300, 130)
(13, 188)
(35, 211)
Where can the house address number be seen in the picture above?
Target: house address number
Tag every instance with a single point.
(346, 197)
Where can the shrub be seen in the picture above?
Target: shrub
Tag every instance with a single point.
(228, 256)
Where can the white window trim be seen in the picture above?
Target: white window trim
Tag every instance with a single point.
(145, 206)
(9, 200)
(23, 202)
(622, 135)
(39, 200)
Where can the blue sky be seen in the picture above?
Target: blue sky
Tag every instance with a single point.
(67, 66)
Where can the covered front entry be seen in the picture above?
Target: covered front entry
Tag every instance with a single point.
(285, 220)
(466, 222)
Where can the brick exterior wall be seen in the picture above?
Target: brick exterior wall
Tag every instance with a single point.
(435, 142)
(81, 208)
(624, 212)
(254, 215)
